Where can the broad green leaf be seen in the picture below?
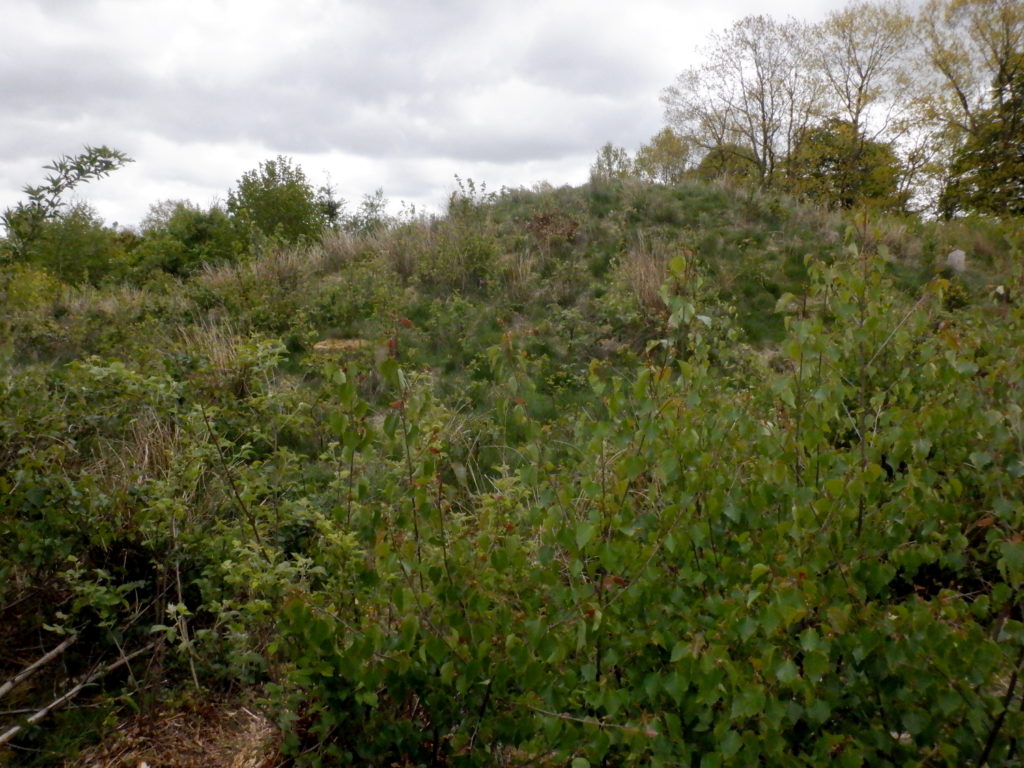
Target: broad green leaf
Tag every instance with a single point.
(679, 650)
(759, 570)
(787, 672)
(584, 533)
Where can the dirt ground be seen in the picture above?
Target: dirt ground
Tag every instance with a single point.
(211, 734)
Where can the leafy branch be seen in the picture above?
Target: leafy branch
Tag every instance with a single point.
(24, 221)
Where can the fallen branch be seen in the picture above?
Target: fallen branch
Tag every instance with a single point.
(63, 699)
(31, 668)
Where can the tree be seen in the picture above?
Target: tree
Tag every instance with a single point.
(25, 222)
(77, 247)
(754, 92)
(611, 163)
(971, 46)
(331, 208)
(987, 171)
(371, 216)
(820, 168)
(859, 52)
(973, 49)
(664, 158)
(278, 201)
(728, 160)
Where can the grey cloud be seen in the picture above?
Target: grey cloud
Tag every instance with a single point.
(578, 64)
(395, 92)
(404, 85)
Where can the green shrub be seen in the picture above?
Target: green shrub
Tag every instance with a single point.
(76, 247)
(277, 201)
(179, 238)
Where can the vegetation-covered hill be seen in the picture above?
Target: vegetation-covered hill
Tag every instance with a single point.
(627, 474)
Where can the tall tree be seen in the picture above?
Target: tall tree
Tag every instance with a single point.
(664, 159)
(974, 48)
(860, 53)
(728, 160)
(754, 92)
(987, 171)
(612, 162)
(820, 168)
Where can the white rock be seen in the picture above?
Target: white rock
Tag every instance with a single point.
(957, 261)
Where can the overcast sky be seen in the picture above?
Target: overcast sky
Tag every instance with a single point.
(396, 94)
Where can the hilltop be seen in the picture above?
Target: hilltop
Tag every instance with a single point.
(629, 473)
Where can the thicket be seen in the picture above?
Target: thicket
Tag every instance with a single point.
(627, 474)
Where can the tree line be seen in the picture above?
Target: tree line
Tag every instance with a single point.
(274, 203)
(872, 106)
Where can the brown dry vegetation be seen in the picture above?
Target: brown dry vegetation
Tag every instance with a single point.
(215, 733)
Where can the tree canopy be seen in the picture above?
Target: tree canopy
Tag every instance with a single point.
(987, 171)
(832, 165)
(870, 106)
(25, 222)
(278, 201)
(664, 159)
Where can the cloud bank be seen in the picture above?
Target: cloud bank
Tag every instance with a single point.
(393, 94)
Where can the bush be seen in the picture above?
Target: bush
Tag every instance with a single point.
(278, 202)
(76, 247)
(179, 237)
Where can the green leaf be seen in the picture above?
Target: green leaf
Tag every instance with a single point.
(1012, 562)
(678, 651)
(677, 266)
(980, 459)
(816, 665)
(787, 672)
(584, 533)
(835, 486)
(819, 711)
(389, 371)
(784, 302)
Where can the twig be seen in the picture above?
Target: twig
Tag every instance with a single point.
(242, 506)
(899, 325)
(30, 670)
(66, 697)
(998, 724)
(592, 721)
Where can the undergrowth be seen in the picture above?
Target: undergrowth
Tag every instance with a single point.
(617, 475)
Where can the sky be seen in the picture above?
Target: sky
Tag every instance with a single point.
(401, 95)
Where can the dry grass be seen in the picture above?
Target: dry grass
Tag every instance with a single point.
(214, 341)
(330, 346)
(518, 274)
(109, 301)
(115, 301)
(285, 267)
(145, 452)
(212, 734)
(643, 272)
(403, 248)
(339, 249)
